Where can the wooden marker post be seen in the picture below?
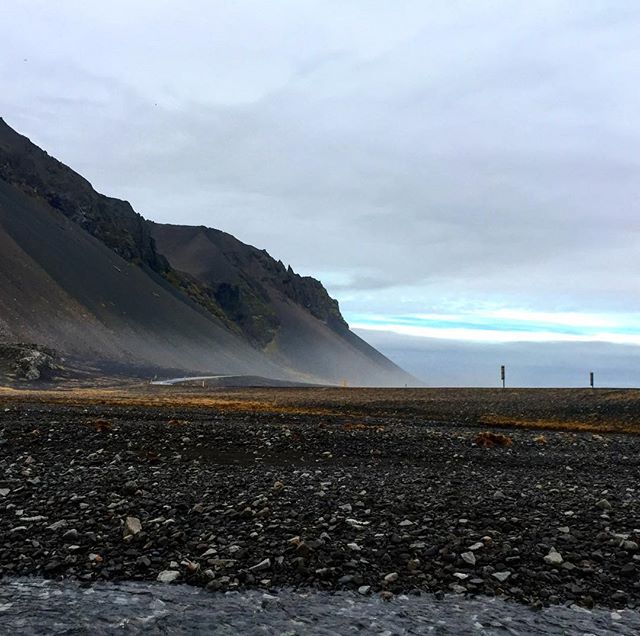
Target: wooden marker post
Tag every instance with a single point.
(503, 376)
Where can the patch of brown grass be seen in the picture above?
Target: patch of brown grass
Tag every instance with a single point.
(487, 439)
(560, 425)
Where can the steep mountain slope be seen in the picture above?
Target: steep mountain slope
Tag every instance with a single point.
(86, 275)
(293, 316)
(61, 287)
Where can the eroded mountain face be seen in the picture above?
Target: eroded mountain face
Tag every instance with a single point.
(242, 302)
(208, 298)
(244, 281)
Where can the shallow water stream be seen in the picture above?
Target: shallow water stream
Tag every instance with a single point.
(32, 606)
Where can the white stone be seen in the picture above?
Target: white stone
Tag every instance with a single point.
(168, 576)
(263, 565)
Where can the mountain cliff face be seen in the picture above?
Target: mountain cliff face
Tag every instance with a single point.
(114, 222)
(243, 279)
(85, 274)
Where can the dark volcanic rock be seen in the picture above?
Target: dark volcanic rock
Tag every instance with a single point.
(257, 500)
(29, 361)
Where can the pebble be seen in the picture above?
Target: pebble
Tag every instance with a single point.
(58, 525)
(168, 576)
(263, 565)
(132, 527)
(553, 558)
(469, 557)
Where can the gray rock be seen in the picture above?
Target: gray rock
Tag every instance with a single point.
(58, 525)
(469, 558)
(168, 576)
(603, 504)
(132, 527)
(553, 558)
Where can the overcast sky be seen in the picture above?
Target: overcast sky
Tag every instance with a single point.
(455, 172)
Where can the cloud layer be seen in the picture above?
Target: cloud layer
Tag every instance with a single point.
(420, 158)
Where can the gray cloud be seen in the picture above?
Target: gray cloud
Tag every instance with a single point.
(414, 154)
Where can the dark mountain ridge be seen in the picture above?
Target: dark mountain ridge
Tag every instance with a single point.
(128, 290)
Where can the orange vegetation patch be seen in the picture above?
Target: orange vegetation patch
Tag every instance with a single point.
(561, 425)
(124, 398)
(487, 439)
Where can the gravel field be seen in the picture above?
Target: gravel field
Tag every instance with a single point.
(332, 494)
